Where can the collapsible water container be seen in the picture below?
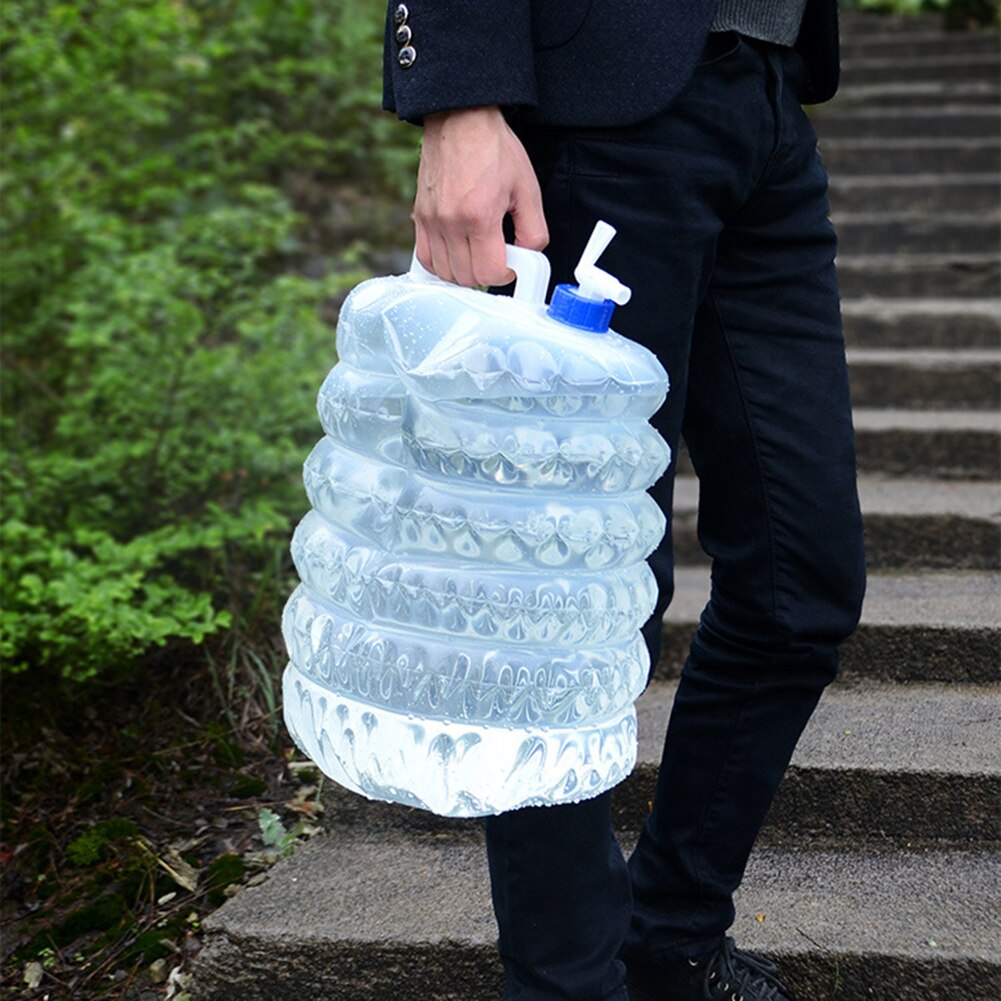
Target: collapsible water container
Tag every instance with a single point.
(466, 638)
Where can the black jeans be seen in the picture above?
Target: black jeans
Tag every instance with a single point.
(724, 236)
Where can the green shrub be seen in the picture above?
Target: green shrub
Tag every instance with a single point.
(895, 6)
(956, 13)
(160, 354)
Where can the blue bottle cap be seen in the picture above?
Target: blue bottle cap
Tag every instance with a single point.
(570, 307)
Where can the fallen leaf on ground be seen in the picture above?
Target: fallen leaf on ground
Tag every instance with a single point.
(33, 973)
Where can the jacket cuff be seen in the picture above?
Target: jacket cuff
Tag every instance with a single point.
(440, 55)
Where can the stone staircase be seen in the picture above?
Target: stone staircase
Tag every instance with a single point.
(877, 874)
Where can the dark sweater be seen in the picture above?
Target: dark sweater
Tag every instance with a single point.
(771, 20)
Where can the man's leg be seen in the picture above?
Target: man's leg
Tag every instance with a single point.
(667, 184)
(768, 427)
(561, 895)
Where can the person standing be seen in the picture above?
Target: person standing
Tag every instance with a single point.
(681, 123)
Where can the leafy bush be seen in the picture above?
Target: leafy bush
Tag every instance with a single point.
(956, 13)
(161, 355)
(897, 6)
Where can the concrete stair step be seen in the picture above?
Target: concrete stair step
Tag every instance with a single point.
(885, 760)
(392, 919)
(942, 444)
(911, 276)
(887, 232)
(916, 192)
(934, 445)
(916, 627)
(910, 156)
(960, 379)
(954, 526)
(934, 42)
(878, 760)
(937, 122)
(855, 25)
(915, 92)
(948, 66)
(909, 525)
(922, 323)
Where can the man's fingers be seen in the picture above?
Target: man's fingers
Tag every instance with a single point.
(422, 246)
(441, 260)
(459, 259)
(433, 251)
(486, 251)
(449, 254)
(530, 228)
(466, 251)
(450, 235)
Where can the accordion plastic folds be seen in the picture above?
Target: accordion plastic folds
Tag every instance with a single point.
(465, 637)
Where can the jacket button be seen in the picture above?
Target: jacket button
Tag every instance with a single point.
(401, 13)
(407, 56)
(403, 34)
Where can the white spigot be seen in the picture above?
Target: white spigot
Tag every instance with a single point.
(594, 283)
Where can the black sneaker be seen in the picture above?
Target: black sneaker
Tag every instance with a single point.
(728, 974)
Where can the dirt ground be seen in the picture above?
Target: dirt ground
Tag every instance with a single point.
(131, 810)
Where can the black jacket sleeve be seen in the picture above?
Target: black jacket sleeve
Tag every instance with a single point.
(446, 54)
(559, 62)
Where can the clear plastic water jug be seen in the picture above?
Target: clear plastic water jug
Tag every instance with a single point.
(466, 638)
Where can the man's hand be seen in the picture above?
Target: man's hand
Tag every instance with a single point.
(473, 171)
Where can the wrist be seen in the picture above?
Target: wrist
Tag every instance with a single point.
(484, 115)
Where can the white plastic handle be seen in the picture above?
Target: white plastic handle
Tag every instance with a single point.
(531, 269)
